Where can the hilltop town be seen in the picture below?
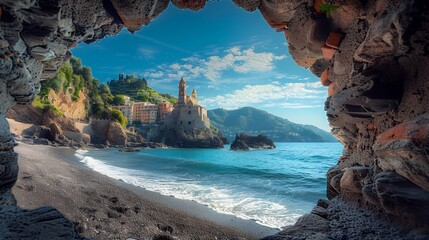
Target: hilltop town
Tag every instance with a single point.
(187, 112)
(184, 124)
(75, 109)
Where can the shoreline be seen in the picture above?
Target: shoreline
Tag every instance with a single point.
(93, 206)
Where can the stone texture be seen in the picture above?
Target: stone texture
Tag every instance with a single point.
(8, 170)
(249, 5)
(190, 4)
(309, 226)
(134, 14)
(378, 80)
(352, 180)
(244, 141)
(74, 110)
(108, 132)
(177, 137)
(404, 149)
(41, 223)
(116, 134)
(333, 177)
(400, 197)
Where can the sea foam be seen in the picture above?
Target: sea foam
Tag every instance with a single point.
(227, 201)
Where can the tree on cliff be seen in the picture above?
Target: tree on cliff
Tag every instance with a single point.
(73, 78)
(117, 116)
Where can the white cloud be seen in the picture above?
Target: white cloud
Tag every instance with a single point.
(175, 66)
(291, 77)
(157, 74)
(287, 95)
(146, 53)
(212, 68)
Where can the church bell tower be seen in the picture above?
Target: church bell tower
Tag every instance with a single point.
(182, 92)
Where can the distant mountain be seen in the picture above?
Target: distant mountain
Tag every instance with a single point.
(254, 121)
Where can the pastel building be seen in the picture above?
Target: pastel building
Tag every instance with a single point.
(145, 112)
(164, 108)
(188, 113)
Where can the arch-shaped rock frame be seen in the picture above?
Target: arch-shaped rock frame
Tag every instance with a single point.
(372, 55)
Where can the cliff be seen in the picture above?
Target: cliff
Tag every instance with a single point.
(108, 133)
(75, 110)
(372, 55)
(178, 137)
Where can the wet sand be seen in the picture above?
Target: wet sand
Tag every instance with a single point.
(104, 208)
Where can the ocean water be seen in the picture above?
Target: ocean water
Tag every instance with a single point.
(272, 187)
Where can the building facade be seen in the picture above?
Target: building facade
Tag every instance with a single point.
(164, 108)
(127, 111)
(145, 112)
(188, 113)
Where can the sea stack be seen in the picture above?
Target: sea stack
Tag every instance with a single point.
(246, 142)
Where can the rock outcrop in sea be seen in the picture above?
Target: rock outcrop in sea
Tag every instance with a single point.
(197, 138)
(246, 142)
(372, 56)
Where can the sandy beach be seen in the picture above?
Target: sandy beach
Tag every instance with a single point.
(104, 208)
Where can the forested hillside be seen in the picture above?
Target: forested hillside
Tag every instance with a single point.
(74, 78)
(137, 89)
(255, 121)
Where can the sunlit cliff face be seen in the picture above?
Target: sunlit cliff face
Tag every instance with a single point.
(372, 56)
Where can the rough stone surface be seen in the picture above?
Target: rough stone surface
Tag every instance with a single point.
(309, 226)
(244, 141)
(41, 223)
(108, 132)
(251, 5)
(116, 134)
(352, 180)
(398, 196)
(177, 137)
(75, 110)
(404, 149)
(378, 80)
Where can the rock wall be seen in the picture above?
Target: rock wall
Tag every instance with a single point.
(108, 132)
(75, 110)
(371, 54)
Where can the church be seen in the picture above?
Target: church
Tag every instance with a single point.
(187, 112)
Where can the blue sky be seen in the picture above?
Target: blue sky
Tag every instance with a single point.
(232, 57)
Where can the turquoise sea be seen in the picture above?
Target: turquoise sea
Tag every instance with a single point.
(272, 187)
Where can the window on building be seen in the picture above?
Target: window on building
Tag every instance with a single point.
(189, 122)
(189, 112)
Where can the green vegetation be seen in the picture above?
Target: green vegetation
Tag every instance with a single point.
(254, 121)
(118, 100)
(328, 8)
(214, 129)
(137, 89)
(117, 116)
(45, 106)
(74, 79)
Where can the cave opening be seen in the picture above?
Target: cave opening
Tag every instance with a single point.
(365, 114)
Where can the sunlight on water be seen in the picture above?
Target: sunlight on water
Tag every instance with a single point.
(272, 187)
